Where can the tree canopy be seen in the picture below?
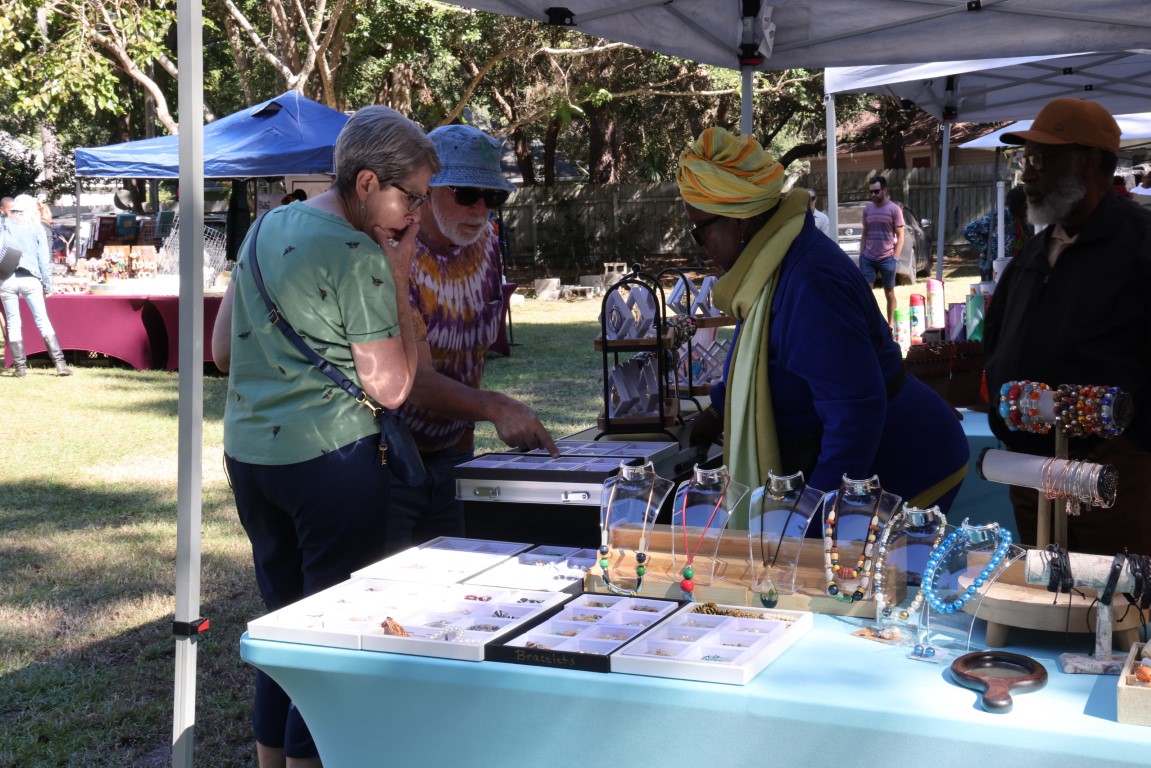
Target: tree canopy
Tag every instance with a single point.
(101, 71)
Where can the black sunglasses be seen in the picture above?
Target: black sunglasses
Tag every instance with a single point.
(698, 228)
(469, 196)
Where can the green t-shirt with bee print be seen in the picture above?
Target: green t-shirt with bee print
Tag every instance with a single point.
(334, 285)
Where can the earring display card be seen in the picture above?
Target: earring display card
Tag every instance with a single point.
(713, 644)
(376, 615)
(442, 561)
(543, 569)
(583, 633)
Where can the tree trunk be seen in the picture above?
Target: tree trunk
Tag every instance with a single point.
(551, 138)
(601, 146)
(50, 145)
(523, 149)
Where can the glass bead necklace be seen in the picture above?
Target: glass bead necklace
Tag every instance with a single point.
(964, 534)
(687, 585)
(862, 569)
(916, 519)
(641, 547)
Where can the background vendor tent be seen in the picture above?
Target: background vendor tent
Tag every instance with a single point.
(1135, 131)
(789, 33)
(992, 90)
(287, 135)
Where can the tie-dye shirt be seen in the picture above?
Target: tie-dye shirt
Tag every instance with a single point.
(456, 298)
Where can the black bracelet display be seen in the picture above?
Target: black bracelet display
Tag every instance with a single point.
(1135, 563)
(1113, 579)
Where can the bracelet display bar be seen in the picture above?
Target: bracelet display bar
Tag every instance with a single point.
(734, 575)
(1011, 602)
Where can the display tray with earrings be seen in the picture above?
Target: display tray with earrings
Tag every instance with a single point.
(737, 578)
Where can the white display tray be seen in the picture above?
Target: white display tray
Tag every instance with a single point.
(713, 648)
(442, 560)
(584, 632)
(544, 568)
(451, 622)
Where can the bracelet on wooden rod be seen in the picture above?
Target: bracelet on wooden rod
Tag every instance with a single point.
(1092, 484)
(1080, 410)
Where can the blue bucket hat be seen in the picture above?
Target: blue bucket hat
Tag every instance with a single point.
(468, 158)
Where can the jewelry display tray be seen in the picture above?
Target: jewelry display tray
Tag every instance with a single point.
(582, 634)
(657, 638)
(544, 569)
(443, 560)
(450, 622)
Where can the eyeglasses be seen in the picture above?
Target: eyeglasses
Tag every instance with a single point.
(469, 196)
(414, 200)
(698, 228)
(876, 191)
(1035, 161)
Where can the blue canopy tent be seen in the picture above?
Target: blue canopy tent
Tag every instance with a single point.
(287, 135)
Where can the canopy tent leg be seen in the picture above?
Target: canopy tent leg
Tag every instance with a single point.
(832, 166)
(190, 41)
(941, 223)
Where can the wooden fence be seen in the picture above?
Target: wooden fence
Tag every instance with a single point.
(578, 227)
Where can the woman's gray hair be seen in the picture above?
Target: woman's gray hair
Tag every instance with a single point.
(383, 141)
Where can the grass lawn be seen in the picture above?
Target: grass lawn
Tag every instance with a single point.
(88, 469)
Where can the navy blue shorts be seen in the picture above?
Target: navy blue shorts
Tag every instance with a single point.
(311, 524)
(886, 268)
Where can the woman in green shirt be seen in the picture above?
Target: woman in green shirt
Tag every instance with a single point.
(301, 454)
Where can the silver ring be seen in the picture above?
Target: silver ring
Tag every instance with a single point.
(393, 242)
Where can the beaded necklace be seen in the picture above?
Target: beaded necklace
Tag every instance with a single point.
(916, 518)
(862, 569)
(641, 546)
(779, 488)
(687, 584)
(963, 535)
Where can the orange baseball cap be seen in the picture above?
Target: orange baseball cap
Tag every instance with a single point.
(1071, 121)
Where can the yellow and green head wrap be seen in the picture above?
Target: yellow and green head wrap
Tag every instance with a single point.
(729, 175)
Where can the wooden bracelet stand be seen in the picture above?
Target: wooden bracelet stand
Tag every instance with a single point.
(1014, 601)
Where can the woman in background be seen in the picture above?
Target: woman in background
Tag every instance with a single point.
(32, 280)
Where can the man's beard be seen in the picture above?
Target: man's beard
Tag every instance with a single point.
(1058, 202)
(455, 232)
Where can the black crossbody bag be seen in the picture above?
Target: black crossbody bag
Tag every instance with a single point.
(398, 449)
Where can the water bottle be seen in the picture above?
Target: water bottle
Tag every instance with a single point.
(936, 304)
(918, 317)
(903, 330)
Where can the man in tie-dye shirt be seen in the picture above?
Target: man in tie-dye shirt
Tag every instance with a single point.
(456, 292)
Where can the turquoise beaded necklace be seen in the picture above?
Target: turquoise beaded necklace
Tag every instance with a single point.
(964, 534)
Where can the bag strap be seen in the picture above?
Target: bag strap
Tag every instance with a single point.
(276, 318)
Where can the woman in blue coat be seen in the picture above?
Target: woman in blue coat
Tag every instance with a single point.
(815, 382)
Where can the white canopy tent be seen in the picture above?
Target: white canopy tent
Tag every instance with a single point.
(990, 90)
(740, 34)
(1135, 130)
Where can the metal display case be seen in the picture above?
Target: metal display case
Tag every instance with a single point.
(533, 497)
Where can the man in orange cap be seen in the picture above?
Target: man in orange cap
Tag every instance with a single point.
(1072, 309)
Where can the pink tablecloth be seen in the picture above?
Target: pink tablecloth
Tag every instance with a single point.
(110, 325)
(168, 308)
(143, 331)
